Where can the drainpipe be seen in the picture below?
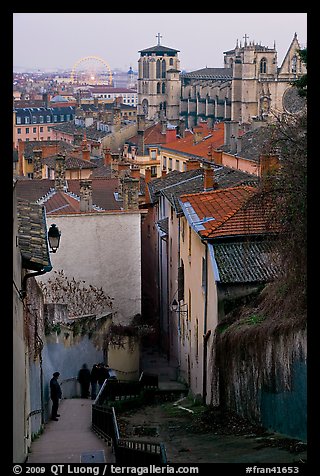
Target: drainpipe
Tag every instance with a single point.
(23, 290)
(206, 333)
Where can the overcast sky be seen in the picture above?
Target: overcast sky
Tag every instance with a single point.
(59, 40)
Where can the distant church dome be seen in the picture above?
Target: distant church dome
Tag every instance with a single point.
(130, 71)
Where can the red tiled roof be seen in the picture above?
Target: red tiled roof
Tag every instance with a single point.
(211, 138)
(103, 189)
(152, 135)
(234, 211)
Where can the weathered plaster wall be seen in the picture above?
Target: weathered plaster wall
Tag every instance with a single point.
(104, 250)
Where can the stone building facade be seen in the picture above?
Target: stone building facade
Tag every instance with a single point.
(249, 87)
(159, 83)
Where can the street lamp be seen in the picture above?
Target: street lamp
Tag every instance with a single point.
(54, 238)
(175, 307)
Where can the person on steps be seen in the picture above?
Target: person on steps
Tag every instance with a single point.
(55, 395)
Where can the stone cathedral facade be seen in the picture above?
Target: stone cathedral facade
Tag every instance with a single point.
(250, 87)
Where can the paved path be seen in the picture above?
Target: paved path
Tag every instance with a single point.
(71, 438)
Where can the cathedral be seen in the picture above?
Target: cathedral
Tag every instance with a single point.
(250, 87)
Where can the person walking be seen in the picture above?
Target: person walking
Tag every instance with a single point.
(94, 380)
(84, 380)
(103, 374)
(55, 395)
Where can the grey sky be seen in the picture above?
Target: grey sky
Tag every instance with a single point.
(59, 40)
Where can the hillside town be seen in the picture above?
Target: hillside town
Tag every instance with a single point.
(148, 221)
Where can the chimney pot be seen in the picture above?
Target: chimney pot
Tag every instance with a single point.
(85, 195)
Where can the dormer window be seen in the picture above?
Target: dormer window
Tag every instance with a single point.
(263, 65)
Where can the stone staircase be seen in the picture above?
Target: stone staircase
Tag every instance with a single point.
(153, 361)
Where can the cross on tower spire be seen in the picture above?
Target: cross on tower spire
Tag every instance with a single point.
(158, 36)
(245, 39)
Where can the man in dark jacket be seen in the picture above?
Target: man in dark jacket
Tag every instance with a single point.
(84, 380)
(94, 380)
(55, 395)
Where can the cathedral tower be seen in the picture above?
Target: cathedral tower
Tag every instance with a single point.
(159, 83)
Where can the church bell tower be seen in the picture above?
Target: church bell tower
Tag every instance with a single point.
(159, 83)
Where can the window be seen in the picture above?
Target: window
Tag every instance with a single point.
(34, 130)
(263, 65)
(19, 130)
(153, 154)
(61, 117)
(158, 69)
(182, 230)
(18, 120)
(29, 161)
(55, 118)
(158, 88)
(171, 62)
(41, 119)
(163, 69)
(34, 119)
(68, 117)
(177, 165)
(153, 170)
(48, 119)
(170, 165)
(27, 130)
(165, 162)
(41, 129)
(27, 120)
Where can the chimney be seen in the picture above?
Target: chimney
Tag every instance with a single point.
(217, 156)
(116, 117)
(239, 144)
(37, 166)
(130, 190)
(60, 172)
(133, 151)
(123, 170)
(208, 177)
(125, 151)
(45, 100)
(141, 128)
(135, 172)
(107, 157)
(85, 148)
(268, 164)
(197, 134)
(77, 138)
(171, 134)
(233, 144)
(147, 180)
(85, 195)
(182, 128)
(192, 164)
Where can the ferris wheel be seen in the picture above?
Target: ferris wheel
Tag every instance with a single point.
(91, 70)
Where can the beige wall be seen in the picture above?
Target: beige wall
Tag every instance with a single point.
(195, 327)
(21, 407)
(117, 139)
(125, 360)
(103, 249)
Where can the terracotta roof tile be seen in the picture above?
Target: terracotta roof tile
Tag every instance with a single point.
(211, 138)
(230, 212)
